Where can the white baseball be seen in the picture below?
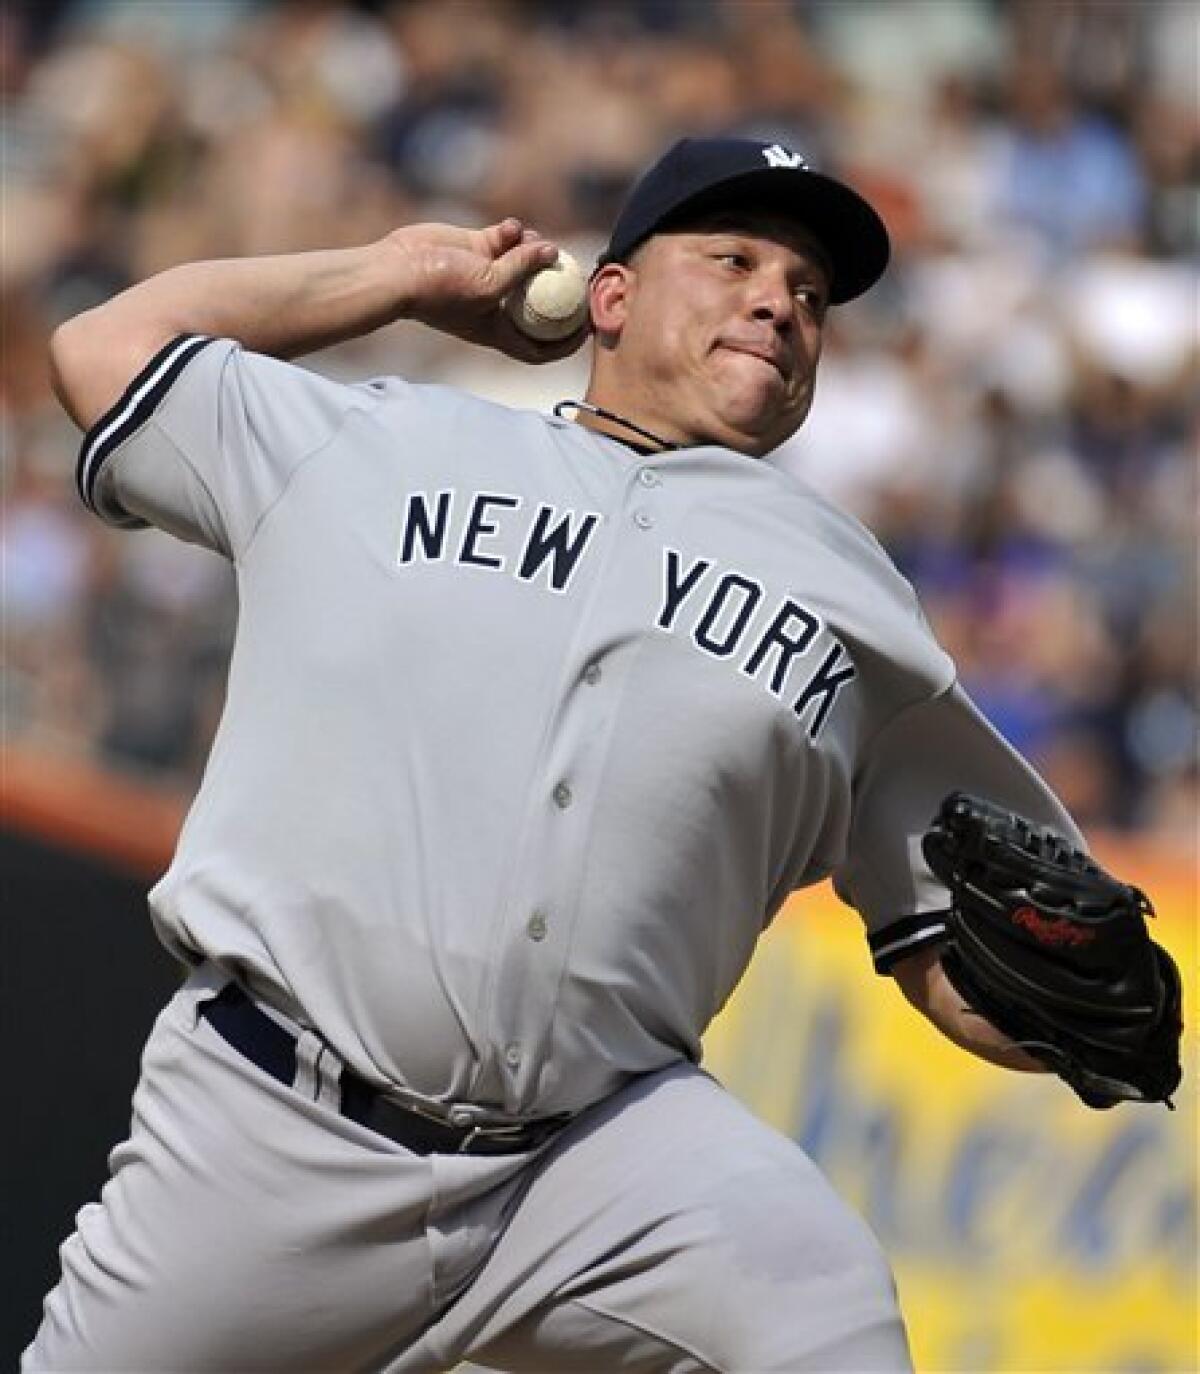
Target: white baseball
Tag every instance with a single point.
(552, 303)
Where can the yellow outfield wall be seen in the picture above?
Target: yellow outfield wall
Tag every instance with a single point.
(1028, 1233)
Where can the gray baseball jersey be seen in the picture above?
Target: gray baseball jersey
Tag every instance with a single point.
(528, 735)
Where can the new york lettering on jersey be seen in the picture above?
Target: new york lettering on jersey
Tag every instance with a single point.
(727, 613)
(554, 541)
(732, 613)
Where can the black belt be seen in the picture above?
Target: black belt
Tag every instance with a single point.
(233, 1014)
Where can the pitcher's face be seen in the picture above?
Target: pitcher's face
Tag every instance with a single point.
(716, 330)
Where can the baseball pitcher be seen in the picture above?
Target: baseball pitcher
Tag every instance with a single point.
(533, 723)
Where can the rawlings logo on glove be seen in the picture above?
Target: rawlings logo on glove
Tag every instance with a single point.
(1055, 953)
(1055, 932)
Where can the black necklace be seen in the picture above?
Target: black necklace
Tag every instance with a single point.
(616, 419)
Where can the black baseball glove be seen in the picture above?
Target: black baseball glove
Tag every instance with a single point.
(1055, 953)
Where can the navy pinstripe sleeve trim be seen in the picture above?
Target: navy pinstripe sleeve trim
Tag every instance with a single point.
(138, 403)
(906, 936)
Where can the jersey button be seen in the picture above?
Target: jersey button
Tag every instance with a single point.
(512, 1056)
(591, 674)
(562, 796)
(536, 928)
(648, 477)
(643, 519)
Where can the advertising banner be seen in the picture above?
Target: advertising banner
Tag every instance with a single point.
(1027, 1232)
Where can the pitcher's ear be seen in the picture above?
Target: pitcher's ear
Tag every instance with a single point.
(610, 289)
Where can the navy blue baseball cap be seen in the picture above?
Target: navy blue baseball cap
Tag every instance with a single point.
(699, 175)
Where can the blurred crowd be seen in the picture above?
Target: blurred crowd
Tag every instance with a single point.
(1013, 411)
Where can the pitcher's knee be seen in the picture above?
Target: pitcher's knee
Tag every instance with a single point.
(812, 1301)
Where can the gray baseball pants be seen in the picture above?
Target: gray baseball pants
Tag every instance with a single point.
(248, 1227)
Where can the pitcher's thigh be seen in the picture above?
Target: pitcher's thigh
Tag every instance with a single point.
(699, 1239)
(237, 1230)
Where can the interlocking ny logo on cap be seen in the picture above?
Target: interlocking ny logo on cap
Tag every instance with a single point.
(778, 156)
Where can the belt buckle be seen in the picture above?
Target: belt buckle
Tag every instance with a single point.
(537, 1131)
(481, 1131)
